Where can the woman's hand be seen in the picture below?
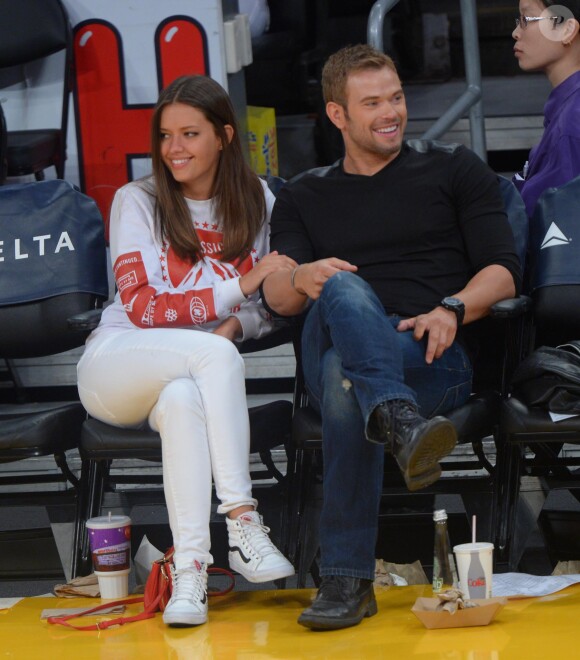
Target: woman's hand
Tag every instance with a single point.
(231, 328)
(250, 282)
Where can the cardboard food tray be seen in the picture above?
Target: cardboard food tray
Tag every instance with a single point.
(425, 610)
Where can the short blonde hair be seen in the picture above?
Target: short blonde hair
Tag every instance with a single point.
(346, 61)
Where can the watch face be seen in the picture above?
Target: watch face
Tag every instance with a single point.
(455, 305)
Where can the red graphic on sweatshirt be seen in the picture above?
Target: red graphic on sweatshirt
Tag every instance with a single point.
(146, 307)
(179, 271)
(245, 265)
(176, 270)
(198, 311)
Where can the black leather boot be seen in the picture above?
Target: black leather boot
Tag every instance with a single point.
(418, 444)
(341, 602)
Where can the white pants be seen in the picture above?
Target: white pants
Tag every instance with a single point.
(189, 386)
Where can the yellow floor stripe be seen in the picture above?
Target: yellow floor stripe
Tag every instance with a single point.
(260, 625)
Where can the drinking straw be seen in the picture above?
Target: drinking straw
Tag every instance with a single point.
(473, 525)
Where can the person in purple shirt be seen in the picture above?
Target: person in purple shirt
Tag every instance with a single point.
(547, 40)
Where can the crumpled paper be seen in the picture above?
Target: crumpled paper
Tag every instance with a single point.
(567, 568)
(388, 574)
(80, 611)
(453, 600)
(146, 554)
(80, 587)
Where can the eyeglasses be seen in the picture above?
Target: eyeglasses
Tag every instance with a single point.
(523, 21)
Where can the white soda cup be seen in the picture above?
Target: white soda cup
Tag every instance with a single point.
(475, 569)
(113, 585)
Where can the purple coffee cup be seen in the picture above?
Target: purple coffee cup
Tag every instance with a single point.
(110, 541)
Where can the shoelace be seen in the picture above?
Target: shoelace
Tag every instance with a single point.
(188, 583)
(256, 535)
(333, 587)
(404, 412)
(403, 417)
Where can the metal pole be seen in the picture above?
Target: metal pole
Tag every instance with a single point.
(470, 100)
(473, 75)
(376, 21)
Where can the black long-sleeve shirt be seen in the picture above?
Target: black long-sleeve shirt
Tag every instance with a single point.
(418, 230)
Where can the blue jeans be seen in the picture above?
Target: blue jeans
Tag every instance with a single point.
(354, 359)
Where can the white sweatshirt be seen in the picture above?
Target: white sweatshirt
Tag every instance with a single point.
(158, 289)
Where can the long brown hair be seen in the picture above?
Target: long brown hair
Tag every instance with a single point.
(237, 193)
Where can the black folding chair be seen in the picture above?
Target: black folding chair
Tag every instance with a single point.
(54, 266)
(30, 32)
(554, 276)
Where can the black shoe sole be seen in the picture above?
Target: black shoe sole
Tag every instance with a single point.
(438, 440)
(315, 622)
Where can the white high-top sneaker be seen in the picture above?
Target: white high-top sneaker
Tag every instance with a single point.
(252, 554)
(188, 603)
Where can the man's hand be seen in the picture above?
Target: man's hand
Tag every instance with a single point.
(441, 326)
(231, 328)
(310, 278)
(485, 288)
(269, 263)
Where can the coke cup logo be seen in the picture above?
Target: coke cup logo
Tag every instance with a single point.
(477, 582)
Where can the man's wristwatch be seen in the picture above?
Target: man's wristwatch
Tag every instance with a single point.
(455, 305)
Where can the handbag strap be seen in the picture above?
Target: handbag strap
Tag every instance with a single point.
(146, 614)
(102, 625)
(216, 570)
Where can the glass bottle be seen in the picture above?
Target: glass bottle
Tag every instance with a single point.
(444, 574)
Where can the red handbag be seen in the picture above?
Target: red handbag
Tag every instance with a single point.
(158, 590)
(159, 585)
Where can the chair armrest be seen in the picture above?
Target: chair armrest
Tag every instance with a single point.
(282, 335)
(87, 321)
(511, 308)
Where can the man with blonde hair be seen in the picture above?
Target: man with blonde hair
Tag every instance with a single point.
(399, 246)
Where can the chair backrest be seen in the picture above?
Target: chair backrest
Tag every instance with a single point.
(31, 29)
(2, 146)
(53, 265)
(491, 340)
(555, 258)
(517, 216)
(274, 183)
(34, 29)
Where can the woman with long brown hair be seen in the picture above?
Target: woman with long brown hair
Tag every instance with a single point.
(189, 247)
